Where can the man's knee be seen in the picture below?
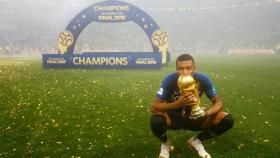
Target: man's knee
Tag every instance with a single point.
(159, 127)
(158, 121)
(224, 125)
(228, 122)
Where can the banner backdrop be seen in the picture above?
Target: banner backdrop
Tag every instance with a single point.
(128, 60)
(110, 12)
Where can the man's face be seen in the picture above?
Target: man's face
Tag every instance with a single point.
(185, 67)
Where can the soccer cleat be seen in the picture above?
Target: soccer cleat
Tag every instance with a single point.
(165, 149)
(195, 143)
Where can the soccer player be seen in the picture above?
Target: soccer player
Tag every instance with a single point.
(168, 104)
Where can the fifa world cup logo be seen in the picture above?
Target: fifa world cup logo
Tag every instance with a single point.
(65, 40)
(160, 40)
(187, 84)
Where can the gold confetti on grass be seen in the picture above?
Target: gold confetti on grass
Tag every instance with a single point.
(83, 96)
(266, 140)
(240, 146)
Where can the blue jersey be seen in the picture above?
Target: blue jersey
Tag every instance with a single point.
(170, 92)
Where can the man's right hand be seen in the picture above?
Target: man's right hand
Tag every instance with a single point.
(188, 99)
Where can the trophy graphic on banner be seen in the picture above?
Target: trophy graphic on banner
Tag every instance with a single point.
(187, 84)
(160, 40)
(65, 40)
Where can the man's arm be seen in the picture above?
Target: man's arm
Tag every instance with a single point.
(158, 105)
(217, 106)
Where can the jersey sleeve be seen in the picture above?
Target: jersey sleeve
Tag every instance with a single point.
(210, 89)
(162, 93)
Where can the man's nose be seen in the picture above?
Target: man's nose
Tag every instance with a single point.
(185, 71)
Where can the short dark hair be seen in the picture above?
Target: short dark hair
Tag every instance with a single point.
(185, 57)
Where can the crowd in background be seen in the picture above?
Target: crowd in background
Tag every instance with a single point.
(32, 28)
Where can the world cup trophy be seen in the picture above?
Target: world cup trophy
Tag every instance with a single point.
(187, 84)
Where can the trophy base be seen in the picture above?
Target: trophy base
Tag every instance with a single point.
(197, 113)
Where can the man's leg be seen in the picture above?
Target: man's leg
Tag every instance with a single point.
(159, 127)
(224, 122)
(214, 130)
(160, 122)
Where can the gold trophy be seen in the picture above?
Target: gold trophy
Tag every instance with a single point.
(187, 84)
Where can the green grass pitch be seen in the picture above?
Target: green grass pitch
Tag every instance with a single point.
(105, 113)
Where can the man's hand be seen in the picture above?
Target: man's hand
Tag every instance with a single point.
(188, 99)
